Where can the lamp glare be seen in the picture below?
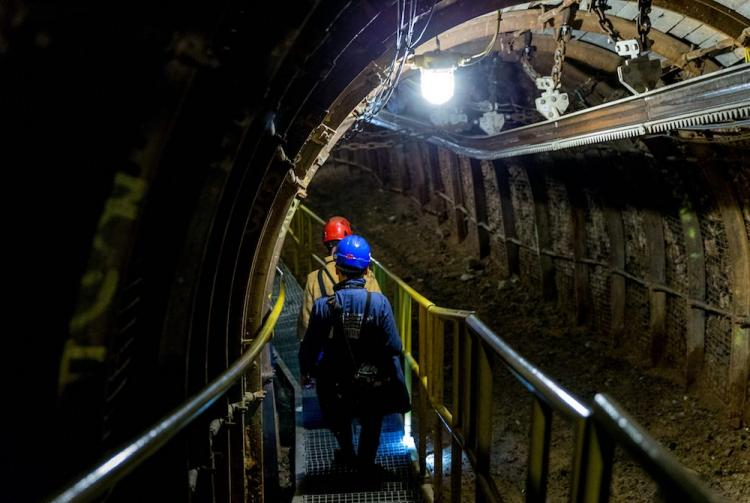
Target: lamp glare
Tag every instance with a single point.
(437, 85)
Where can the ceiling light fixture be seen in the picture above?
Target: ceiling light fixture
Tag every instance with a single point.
(437, 69)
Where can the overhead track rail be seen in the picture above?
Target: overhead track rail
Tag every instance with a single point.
(718, 99)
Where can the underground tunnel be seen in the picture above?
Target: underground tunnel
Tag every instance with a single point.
(561, 225)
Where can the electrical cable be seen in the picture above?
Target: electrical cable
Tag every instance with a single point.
(471, 60)
(406, 19)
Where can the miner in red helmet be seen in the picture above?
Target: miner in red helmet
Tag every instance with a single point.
(320, 283)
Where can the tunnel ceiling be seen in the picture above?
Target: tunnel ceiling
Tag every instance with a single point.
(688, 39)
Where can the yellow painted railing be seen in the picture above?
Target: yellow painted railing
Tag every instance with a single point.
(460, 402)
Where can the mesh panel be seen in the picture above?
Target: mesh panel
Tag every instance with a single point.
(676, 278)
(598, 248)
(718, 332)
(285, 339)
(597, 239)
(718, 329)
(676, 330)
(636, 248)
(396, 496)
(494, 216)
(600, 288)
(565, 280)
(561, 228)
(523, 207)
(529, 265)
(467, 184)
(637, 318)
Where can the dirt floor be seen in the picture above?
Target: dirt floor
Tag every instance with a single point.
(424, 253)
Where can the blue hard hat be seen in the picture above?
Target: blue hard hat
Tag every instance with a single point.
(353, 253)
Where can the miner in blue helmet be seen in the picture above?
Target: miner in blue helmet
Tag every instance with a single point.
(352, 349)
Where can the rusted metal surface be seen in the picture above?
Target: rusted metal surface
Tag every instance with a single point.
(718, 97)
(479, 29)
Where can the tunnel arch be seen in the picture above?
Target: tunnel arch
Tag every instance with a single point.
(237, 211)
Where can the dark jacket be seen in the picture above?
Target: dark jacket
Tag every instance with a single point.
(325, 354)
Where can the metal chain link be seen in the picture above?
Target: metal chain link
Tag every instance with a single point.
(559, 56)
(644, 23)
(600, 7)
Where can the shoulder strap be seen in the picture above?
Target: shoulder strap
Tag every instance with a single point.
(321, 283)
(328, 273)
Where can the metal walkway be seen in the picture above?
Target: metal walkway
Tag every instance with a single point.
(323, 480)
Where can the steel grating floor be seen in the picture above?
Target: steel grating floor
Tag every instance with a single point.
(324, 480)
(397, 496)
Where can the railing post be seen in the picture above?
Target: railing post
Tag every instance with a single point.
(437, 458)
(483, 422)
(592, 463)
(538, 465)
(406, 332)
(459, 390)
(468, 386)
(437, 335)
(421, 358)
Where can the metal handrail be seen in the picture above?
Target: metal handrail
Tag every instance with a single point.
(116, 466)
(469, 421)
(682, 483)
(533, 378)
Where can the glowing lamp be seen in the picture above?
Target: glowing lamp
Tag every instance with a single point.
(437, 85)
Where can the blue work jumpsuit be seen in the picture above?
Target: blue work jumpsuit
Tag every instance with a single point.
(325, 355)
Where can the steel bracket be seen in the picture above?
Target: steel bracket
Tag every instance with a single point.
(629, 48)
(640, 74)
(248, 398)
(552, 103)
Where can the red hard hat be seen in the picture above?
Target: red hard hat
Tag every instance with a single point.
(336, 229)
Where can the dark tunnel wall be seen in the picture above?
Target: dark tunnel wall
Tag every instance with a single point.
(646, 241)
(150, 174)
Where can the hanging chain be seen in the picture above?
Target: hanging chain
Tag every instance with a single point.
(600, 7)
(559, 57)
(644, 23)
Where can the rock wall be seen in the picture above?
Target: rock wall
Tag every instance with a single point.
(645, 242)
